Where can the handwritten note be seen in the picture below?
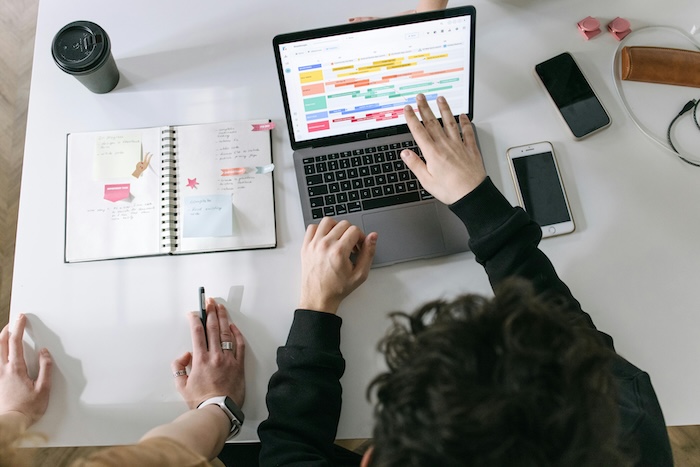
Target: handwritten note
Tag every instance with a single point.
(116, 155)
(229, 148)
(207, 216)
(123, 213)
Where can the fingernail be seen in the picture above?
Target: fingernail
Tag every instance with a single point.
(441, 99)
(405, 154)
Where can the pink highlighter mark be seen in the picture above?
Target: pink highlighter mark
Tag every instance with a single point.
(261, 169)
(117, 192)
(233, 171)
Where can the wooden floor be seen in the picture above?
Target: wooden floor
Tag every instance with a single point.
(17, 27)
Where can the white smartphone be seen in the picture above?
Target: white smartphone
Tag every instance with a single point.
(539, 187)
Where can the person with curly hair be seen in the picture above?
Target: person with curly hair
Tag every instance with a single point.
(520, 379)
(505, 381)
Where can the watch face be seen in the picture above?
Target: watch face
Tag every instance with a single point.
(235, 410)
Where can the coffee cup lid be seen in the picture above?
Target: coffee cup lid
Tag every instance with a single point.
(80, 46)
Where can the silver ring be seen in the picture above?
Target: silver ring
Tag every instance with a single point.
(227, 346)
(179, 373)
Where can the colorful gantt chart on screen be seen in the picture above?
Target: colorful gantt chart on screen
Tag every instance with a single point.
(360, 81)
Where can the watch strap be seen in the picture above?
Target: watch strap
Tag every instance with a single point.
(232, 411)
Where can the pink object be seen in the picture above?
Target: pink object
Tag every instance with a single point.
(589, 27)
(117, 192)
(263, 126)
(619, 28)
(233, 171)
(318, 126)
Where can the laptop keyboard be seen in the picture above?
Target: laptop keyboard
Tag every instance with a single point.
(361, 180)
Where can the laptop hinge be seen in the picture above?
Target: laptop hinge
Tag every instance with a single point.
(381, 132)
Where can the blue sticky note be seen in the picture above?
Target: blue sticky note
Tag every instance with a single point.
(207, 216)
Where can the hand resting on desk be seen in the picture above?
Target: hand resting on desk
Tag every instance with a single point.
(22, 397)
(23, 400)
(192, 438)
(327, 271)
(214, 372)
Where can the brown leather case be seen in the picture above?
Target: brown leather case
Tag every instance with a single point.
(661, 65)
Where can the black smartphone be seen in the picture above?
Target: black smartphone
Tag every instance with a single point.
(576, 101)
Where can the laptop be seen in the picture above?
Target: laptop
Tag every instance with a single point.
(344, 90)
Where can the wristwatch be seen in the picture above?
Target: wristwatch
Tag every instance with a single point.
(234, 414)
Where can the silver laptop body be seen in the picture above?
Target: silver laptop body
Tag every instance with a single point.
(344, 90)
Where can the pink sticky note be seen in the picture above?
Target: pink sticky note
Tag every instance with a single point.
(117, 192)
(263, 126)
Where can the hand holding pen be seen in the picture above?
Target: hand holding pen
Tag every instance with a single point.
(216, 369)
(203, 313)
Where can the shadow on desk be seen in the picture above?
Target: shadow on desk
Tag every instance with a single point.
(240, 455)
(65, 368)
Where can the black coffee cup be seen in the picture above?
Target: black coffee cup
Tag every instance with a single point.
(83, 49)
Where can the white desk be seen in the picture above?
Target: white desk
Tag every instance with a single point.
(113, 327)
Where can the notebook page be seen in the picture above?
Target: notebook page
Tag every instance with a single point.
(113, 205)
(223, 203)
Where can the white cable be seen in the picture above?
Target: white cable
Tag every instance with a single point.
(618, 84)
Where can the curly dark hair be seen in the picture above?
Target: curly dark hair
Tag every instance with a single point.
(507, 381)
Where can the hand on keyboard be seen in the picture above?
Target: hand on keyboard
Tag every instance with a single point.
(453, 166)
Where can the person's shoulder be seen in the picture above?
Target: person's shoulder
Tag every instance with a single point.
(642, 426)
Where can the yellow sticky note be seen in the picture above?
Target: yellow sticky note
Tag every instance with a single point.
(116, 155)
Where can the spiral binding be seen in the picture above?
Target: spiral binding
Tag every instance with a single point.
(168, 183)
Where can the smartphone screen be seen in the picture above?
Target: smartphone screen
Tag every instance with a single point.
(573, 96)
(539, 187)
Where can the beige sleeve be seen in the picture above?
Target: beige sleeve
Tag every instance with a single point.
(154, 452)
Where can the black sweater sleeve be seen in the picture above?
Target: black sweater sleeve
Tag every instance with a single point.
(304, 395)
(505, 241)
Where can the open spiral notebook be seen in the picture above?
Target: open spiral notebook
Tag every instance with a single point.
(169, 190)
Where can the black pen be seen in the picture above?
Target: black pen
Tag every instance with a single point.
(203, 313)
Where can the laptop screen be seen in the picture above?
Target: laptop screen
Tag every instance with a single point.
(351, 82)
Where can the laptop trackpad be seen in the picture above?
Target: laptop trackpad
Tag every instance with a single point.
(405, 233)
